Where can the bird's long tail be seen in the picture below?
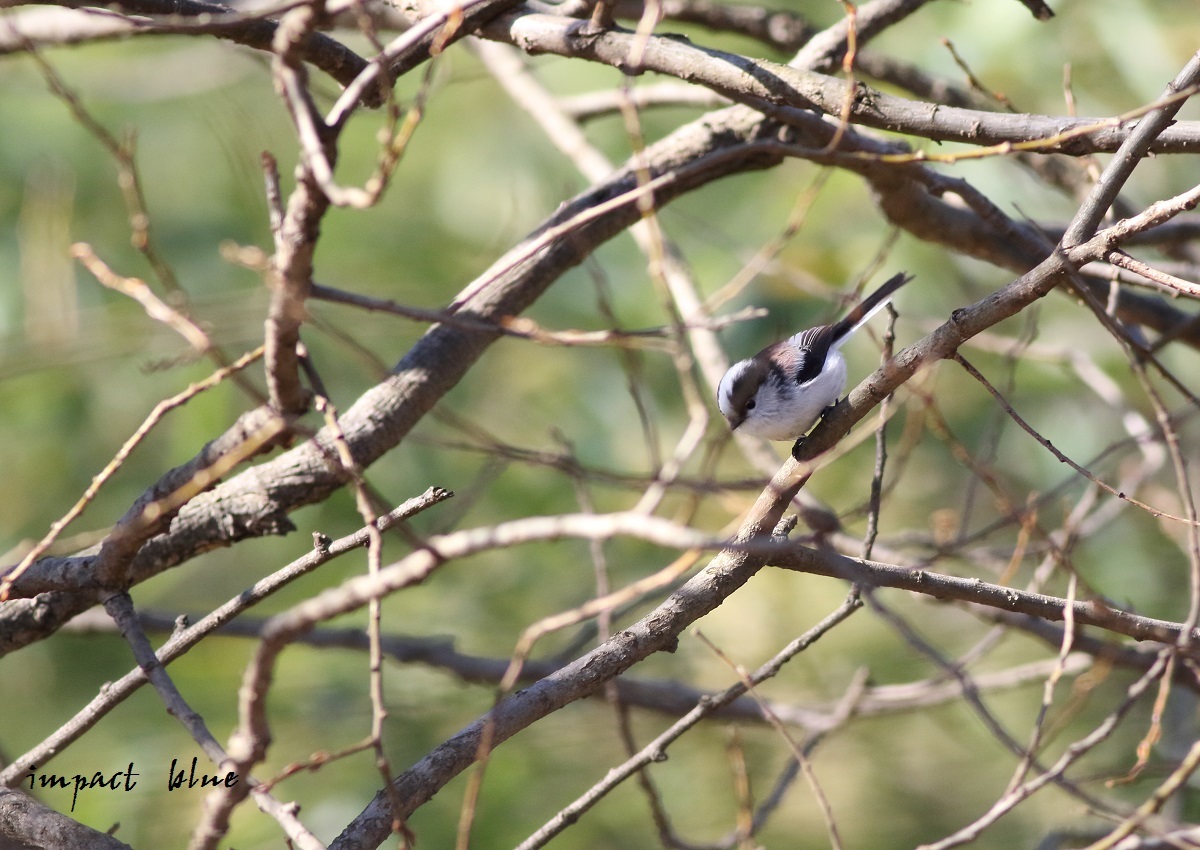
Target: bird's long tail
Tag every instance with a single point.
(867, 308)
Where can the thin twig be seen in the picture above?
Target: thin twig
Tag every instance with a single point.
(835, 840)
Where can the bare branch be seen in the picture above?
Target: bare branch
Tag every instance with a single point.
(149, 17)
(939, 586)
(27, 823)
(782, 91)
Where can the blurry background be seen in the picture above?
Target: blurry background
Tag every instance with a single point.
(81, 366)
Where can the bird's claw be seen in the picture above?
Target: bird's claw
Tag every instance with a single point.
(797, 446)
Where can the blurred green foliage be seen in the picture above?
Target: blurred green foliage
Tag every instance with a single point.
(81, 366)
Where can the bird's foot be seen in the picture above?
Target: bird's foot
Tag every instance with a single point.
(797, 446)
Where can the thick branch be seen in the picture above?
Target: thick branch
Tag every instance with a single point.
(780, 90)
(181, 16)
(779, 28)
(24, 822)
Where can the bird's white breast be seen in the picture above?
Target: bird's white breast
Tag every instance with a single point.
(788, 412)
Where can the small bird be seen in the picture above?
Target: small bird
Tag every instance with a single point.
(782, 391)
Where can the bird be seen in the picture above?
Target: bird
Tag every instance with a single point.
(781, 392)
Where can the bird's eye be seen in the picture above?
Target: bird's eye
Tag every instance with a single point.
(750, 405)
